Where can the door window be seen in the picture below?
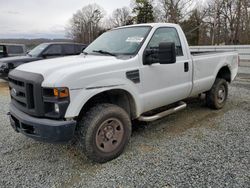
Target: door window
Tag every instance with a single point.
(15, 49)
(69, 49)
(1, 49)
(166, 35)
(54, 50)
(79, 48)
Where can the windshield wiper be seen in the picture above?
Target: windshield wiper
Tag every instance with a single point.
(104, 52)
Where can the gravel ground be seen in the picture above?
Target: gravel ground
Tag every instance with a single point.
(197, 147)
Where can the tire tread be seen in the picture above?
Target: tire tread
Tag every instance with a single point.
(87, 126)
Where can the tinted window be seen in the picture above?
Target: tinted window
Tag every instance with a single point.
(1, 49)
(15, 49)
(69, 49)
(166, 35)
(79, 48)
(54, 50)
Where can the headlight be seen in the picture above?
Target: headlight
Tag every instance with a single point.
(56, 101)
(58, 93)
(61, 92)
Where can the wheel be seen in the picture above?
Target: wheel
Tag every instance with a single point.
(216, 98)
(104, 132)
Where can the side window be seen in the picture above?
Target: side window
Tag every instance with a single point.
(69, 49)
(15, 50)
(54, 50)
(1, 49)
(83, 47)
(79, 48)
(166, 35)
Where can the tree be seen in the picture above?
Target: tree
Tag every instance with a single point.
(121, 17)
(85, 24)
(175, 11)
(194, 27)
(144, 11)
(228, 20)
(212, 23)
(246, 22)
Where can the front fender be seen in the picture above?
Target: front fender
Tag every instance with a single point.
(80, 96)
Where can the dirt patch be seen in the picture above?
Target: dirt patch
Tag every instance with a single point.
(4, 88)
(196, 115)
(146, 148)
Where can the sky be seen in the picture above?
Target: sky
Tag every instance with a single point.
(44, 18)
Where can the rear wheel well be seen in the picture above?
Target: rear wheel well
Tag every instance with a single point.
(117, 97)
(224, 73)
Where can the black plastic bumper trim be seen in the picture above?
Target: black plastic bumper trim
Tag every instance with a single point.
(46, 130)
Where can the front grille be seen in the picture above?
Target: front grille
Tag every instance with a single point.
(26, 92)
(22, 93)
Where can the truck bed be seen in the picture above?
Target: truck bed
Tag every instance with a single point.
(206, 66)
(200, 53)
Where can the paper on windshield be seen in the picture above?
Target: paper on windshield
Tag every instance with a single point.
(135, 39)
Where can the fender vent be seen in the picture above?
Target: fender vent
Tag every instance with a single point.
(134, 76)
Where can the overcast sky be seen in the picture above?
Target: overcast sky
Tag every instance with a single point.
(44, 18)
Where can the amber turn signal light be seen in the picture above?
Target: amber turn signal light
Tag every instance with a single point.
(61, 92)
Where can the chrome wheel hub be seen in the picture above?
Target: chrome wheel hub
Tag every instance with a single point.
(221, 94)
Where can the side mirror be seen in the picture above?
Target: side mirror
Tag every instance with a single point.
(150, 56)
(164, 54)
(167, 53)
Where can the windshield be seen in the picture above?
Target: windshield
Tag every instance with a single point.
(124, 41)
(37, 50)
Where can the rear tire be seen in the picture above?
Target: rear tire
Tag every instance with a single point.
(104, 131)
(216, 98)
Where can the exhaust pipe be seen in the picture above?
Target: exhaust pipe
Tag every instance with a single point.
(181, 106)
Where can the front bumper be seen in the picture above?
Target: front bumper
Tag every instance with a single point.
(52, 131)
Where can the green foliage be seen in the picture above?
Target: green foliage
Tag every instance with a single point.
(144, 11)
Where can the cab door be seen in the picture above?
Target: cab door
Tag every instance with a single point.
(163, 84)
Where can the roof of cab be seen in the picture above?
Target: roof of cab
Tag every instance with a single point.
(150, 24)
(63, 43)
(11, 44)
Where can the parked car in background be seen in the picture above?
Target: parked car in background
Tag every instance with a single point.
(42, 51)
(10, 50)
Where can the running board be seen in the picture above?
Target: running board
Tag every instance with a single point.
(181, 106)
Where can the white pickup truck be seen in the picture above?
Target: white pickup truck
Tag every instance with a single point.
(122, 76)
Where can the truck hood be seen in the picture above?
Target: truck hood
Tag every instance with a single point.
(59, 68)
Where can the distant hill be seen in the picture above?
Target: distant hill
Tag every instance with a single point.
(31, 43)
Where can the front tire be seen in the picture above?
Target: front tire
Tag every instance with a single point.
(104, 132)
(216, 98)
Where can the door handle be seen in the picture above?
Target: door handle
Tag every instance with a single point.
(186, 67)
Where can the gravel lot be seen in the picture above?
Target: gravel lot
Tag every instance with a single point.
(197, 147)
